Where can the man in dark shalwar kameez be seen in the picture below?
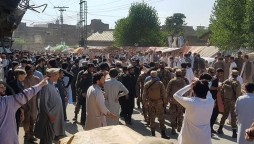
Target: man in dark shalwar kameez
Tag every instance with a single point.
(50, 122)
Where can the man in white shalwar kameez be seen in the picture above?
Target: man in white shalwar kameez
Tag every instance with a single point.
(189, 73)
(113, 90)
(198, 110)
(180, 59)
(95, 104)
(244, 110)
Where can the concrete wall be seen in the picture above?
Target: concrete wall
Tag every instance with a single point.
(38, 37)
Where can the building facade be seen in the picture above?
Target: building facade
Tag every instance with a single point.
(39, 36)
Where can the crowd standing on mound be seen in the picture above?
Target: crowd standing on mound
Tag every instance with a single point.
(107, 86)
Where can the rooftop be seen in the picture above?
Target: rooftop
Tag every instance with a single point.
(103, 36)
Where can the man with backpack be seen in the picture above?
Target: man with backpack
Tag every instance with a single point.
(231, 90)
(154, 99)
(176, 110)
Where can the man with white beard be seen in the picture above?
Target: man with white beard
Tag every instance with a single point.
(113, 90)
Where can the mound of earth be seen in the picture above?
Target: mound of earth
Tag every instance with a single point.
(112, 135)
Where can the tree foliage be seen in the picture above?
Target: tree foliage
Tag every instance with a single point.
(120, 34)
(227, 21)
(141, 27)
(248, 25)
(19, 41)
(201, 30)
(174, 24)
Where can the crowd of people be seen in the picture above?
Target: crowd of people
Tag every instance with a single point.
(107, 86)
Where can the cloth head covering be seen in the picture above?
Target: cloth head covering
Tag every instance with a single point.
(235, 72)
(179, 72)
(51, 71)
(90, 65)
(154, 74)
(211, 69)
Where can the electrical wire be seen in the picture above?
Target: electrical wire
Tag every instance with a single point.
(114, 8)
(98, 12)
(109, 10)
(24, 4)
(71, 17)
(53, 6)
(105, 4)
(69, 3)
(52, 16)
(119, 8)
(104, 15)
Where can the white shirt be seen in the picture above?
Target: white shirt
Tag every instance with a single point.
(189, 75)
(172, 63)
(164, 59)
(113, 90)
(96, 108)
(81, 62)
(147, 59)
(179, 61)
(141, 60)
(243, 106)
(196, 124)
(5, 62)
(232, 65)
(151, 58)
(192, 60)
(239, 79)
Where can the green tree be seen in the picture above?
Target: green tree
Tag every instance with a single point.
(248, 25)
(120, 34)
(226, 24)
(201, 30)
(141, 27)
(19, 41)
(174, 24)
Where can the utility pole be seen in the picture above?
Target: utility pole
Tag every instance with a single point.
(83, 23)
(61, 9)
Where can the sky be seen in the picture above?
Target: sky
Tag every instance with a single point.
(197, 12)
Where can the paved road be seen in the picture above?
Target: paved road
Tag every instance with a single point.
(138, 125)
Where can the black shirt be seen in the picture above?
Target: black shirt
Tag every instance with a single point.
(129, 81)
(215, 83)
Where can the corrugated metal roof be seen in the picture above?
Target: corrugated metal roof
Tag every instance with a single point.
(204, 51)
(169, 50)
(104, 36)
